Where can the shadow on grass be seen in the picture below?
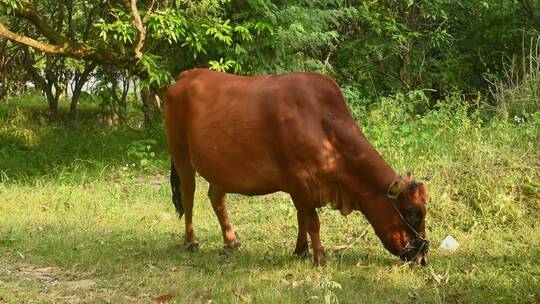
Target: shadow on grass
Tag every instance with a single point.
(148, 261)
(32, 147)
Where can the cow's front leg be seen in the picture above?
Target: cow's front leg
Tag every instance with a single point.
(310, 220)
(302, 247)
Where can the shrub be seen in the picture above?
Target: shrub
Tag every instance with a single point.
(480, 168)
(517, 93)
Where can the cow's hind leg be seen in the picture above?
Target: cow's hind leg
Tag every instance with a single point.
(302, 248)
(187, 187)
(217, 198)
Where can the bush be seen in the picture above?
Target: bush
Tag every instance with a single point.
(517, 93)
(480, 168)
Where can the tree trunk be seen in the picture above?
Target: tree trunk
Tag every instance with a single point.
(51, 100)
(74, 102)
(404, 73)
(122, 102)
(53, 106)
(80, 80)
(151, 105)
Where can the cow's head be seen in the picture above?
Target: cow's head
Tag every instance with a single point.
(407, 238)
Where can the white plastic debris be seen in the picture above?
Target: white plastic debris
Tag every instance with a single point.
(449, 243)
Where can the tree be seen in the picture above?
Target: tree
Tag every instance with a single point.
(12, 76)
(144, 42)
(48, 73)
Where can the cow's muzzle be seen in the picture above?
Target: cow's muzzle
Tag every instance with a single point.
(417, 251)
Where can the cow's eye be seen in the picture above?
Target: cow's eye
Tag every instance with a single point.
(414, 216)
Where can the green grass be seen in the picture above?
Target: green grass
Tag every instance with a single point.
(68, 201)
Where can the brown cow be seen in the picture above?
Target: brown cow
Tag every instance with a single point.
(291, 133)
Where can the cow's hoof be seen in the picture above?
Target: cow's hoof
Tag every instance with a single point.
(304, 253)
(319, 259)
(192, 246)
(235, 244)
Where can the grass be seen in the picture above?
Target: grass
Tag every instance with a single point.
(78, 225)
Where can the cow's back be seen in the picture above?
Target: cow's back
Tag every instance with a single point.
(252, 135)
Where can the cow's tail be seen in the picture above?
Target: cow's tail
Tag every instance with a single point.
(176, 194)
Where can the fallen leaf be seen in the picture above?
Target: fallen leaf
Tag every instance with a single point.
(413, 295)
(164, 298)
(338, 248)
(468, 269)
(80, 284)
(45, 269)
(44, 276)
(156, 183)
(295, 284)
(265, 278)
(453, 299)
(361, 263)
(537, 297)
(437, 278)
(203, 295)
(141, 295)
(164, 216)
(246, 298)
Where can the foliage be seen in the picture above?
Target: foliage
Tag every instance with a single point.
(187, 29)
(32, 146)
(372, 48)
(467, 149)
(291, 35)
(141, 151)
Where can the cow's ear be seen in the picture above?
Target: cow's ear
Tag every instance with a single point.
(396, 188)
(409, 177)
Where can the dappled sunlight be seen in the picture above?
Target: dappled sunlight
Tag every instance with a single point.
(33, 148)
(328, 156)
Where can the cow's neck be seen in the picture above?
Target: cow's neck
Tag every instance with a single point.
(366, 183)
(368, 173)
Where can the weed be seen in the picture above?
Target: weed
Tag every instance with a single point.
(141, 151)
(517, 93)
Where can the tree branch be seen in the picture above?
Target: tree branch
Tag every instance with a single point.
(137, 22)
(45, 29)
(148, 11)
(65, 48)
(59, 45)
